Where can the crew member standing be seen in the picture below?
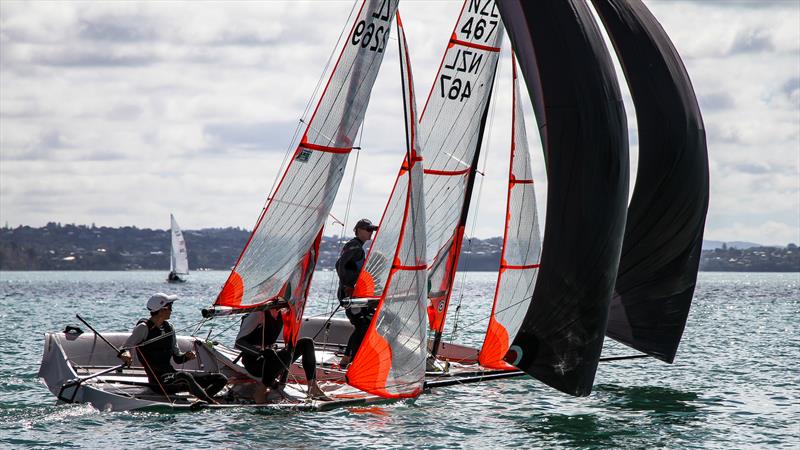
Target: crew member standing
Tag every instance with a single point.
(348, 267)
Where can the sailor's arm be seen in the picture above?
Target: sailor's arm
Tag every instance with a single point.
(137, 336)
(177, 356)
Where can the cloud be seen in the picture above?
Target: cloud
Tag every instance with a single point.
(768, 233)
(791, 88)
(752, 41)
(116, 29)
(248, 135)
(716, 100)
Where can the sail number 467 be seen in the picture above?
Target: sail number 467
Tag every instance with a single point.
(454, 88)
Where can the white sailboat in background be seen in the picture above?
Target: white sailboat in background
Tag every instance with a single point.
(178, 258)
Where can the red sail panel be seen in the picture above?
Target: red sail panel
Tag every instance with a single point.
(451, 130)
(519, 262)
(285, 234)
(391, 359)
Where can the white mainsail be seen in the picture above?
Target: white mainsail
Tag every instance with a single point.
(179, 259)
(279, 258)
(451, 130)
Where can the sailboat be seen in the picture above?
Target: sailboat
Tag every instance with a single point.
(178, 258)
(275, 268)
(589, 279)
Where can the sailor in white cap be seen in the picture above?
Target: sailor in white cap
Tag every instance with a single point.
(155, 343)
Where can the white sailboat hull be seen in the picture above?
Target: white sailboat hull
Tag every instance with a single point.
(81, 368)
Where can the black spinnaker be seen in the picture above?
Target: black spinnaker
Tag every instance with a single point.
(666, 216)
(581, 118)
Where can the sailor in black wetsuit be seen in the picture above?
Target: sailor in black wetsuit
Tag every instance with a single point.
(161, 345)
(256, 340)
(348, 267)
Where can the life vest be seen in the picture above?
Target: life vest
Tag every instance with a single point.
(155, 356)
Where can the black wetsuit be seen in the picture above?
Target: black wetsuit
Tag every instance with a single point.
(348, 267)
(161, 375)
(256, 339)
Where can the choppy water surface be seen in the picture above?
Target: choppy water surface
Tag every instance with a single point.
(734, 384)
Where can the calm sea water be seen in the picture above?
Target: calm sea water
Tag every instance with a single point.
(735, 382)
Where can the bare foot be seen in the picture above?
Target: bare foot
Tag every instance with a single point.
(315, 392)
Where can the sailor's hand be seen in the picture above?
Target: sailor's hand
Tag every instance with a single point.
(348, 291)
(126, 357)
(190, 355)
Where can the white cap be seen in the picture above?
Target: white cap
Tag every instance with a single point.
(160, 300)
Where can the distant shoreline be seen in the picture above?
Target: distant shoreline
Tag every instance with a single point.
(57, 247)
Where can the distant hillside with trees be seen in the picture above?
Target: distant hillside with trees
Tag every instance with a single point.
(81, 247)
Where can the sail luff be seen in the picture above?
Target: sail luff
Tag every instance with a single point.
(391, 359)
(666, 215)
(298, 207)
(572, 84)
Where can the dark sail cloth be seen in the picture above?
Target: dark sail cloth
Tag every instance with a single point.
(667, 212)
(575, 95)
(162, 376)
(256, 340)
(348, 267)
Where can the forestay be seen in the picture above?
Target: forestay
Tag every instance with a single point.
(519, 261)
(391, 359)
(179, 259)
(280, 255)
(451, 128)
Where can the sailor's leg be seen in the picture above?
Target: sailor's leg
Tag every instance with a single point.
(305, 348)
(273, 365)
(177, 381)
(211, 382)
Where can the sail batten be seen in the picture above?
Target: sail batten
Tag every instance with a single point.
(391, 359)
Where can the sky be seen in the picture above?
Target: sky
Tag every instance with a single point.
(118, 113)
